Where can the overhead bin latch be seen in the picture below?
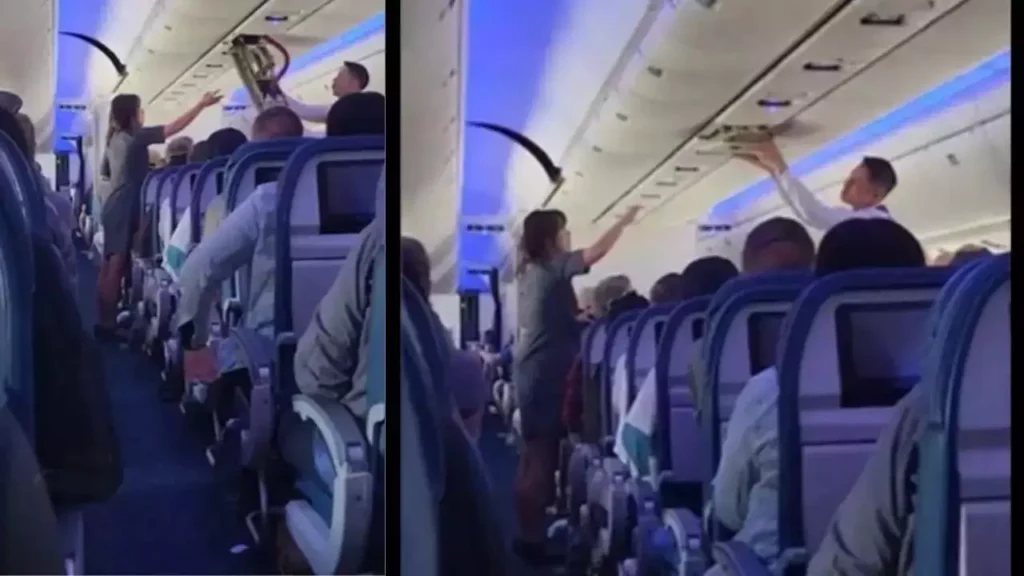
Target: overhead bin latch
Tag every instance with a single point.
(255, 65)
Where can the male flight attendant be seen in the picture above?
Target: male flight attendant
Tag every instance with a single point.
(351, 78)
(865, 188)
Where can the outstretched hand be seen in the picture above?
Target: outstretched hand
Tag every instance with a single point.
(211, 99)
(764, 155)
(630, 216)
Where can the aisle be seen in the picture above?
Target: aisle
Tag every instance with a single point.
(170, 516)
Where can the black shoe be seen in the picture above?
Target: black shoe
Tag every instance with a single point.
(534, 554)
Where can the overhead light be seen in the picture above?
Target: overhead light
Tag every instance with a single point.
(687, 169)
(276, 18)
(875, 19)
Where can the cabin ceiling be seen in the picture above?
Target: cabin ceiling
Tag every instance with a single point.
(181, 51)
(432, 126)
(658, 134)
(28, 31)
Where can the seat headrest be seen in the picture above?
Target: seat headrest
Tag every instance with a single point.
(642, 348)
(765, 280)
(971, 348)
(249, 159)
(684, 326)
(855, 339)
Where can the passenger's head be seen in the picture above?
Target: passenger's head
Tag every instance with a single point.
(778, 244)
(155, 159)
(126, 114)
(356, 114)
(704, 276)
(10, 126)
(969, 253)
(200, 152)
(416, 265)
(869, 183)
(29, 129)
(668, 288)
(276, 122)
(609, 290)
(352, 77)
(627, 303)
(178, 150)
(10, 102)
(224, 142)
(867, 243)
(544, 234)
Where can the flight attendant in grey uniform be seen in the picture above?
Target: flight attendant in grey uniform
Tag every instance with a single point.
(127, 163)
(546, 344)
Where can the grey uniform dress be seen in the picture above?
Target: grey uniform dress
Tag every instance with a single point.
(128, 160)
(547, 342)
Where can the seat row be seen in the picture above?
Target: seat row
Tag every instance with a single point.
(326, 196)
(846, 349)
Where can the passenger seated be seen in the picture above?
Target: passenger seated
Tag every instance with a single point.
(59, 218)
(221, 143)
(127, 162)
(745, 487)
(246, 238)
(634, 440)
(178, 151)
(270, 124)
(969, 253)
(605, 293)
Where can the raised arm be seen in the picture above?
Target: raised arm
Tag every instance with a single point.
(308, 112)
(807, 207)
(182, 122)
(599, 249)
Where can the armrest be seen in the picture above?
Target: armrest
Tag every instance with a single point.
(737, 559)
(285, 344)
(338, 427)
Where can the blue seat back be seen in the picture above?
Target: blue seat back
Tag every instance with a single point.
(17, 280)
(592, 351)
(963, 509)
(164, 187)
(326, 195)
(252, 164)
(149, 189)
(642, 348)
(182, 183)
(677, 433)
(616, 342)
(743, 328)
(851, 347)
(209, 185)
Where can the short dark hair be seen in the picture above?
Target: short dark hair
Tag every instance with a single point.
(778, 230)
(416, 265)
(224, 142)
(200, 152)
(626, 303)
(667, 289)
(540, 230)
(704, 276)
(867, 243)
(278, 122)
(969, 253)
(359, 113)
(362, 75)
(880, 172)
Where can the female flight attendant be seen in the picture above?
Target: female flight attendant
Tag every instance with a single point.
(127, 163)
(546, 344)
